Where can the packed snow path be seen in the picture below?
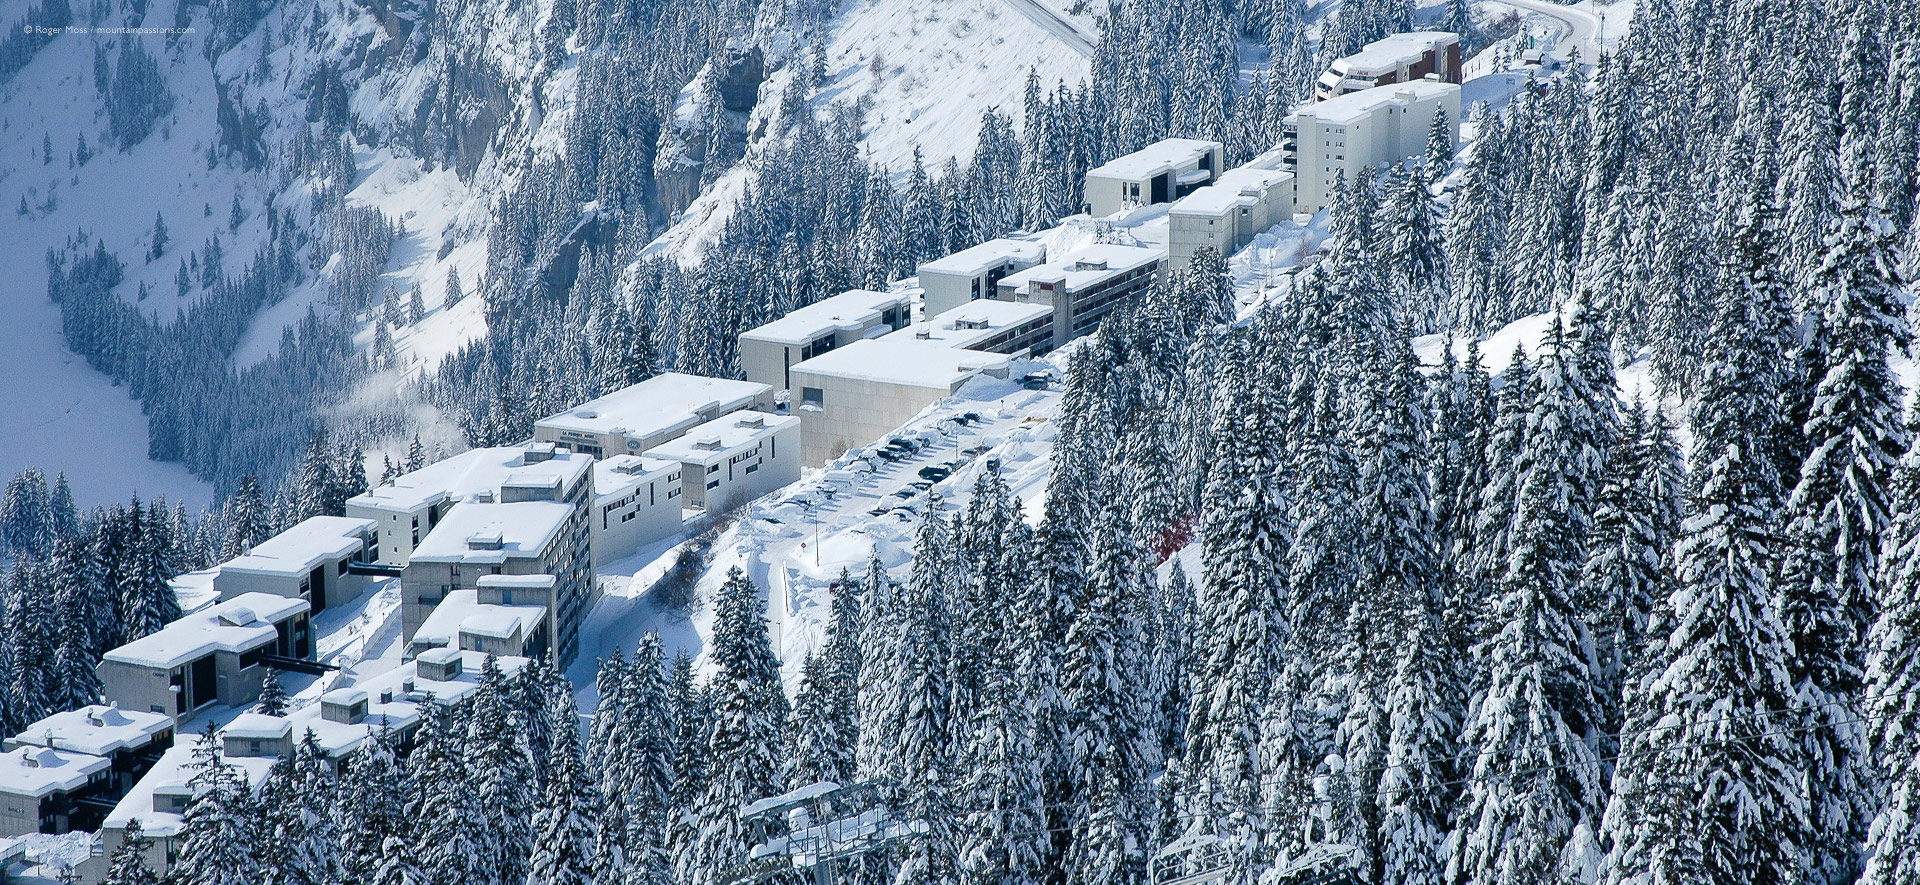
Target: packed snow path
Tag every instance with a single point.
(1582, 26)
(1055, 24)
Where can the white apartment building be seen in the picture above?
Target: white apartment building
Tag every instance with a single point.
(130, 740)
(1226, 215)
(1084, 286)
(768, 351)
(1395, 58)
(972, 273)
(993, 326)
(634, 419)
(732, 460)
(1333, 139)
(636, 501)
(857, 394)
(322, 560)
(1158, 173)
(504, 615)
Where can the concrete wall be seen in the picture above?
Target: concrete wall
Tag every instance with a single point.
(1189, 232)
(399, 532)
(766, 362)
(335, 588)
(621, 530)
(854, 412)
(941, 292)
(19, 815)
(775, 464)
(137, 688)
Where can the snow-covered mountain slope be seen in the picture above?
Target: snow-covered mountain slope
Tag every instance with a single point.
(922, 71)
(926, 70)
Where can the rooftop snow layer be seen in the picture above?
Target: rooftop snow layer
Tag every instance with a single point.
(1237, 187)
(469, 473)
(1162, 156)
(1353, 106)
(1388, 53)
(976, 260)
(173, 774)
(619, 475)
(723, 435)
(39, 771)
(481, 531)
(96, 729)
(242, 623)
(1085, 266)
(847, 311)
(973, 322)
(444, 624)
(297, 550)
(657, 405)
(903, 361)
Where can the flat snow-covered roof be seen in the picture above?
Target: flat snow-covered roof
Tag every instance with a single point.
(405, 694)
(1388, 53)
(297, 550)
(845, 312)
(470, 473)
(95, 729)
(726, 434)
(657, 405)
(1086, 266)
(1237, 187)
(482, 531)
(1353, 106)
(973, 322)
(1162, 156)
(444, 624)
(619, 475)
(174, 773)
(903, 361)
(39, 771)
(242, 623)
(976, 260)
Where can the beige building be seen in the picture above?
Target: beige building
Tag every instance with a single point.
(1334, 139)
(322, 560)
(1226, 215)
(733, 460)
(860, 393)
(1085, 286)
(212, 656)
(634, 419)
(1395, 58)
(1158, 173)
(972, 273)
(769, 351)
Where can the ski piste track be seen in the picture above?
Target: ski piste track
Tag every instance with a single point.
(1055, 25)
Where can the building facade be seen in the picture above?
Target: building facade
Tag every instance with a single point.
(988, 325)
(768, 352)
(1395, 58)
(319, 560)
(1225, 216)
(1158, 173)
(1331, 141)
(861, 393)
(216, 655)
(729, 462)
(971, 274)
(1085, 286)
(636, 501)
